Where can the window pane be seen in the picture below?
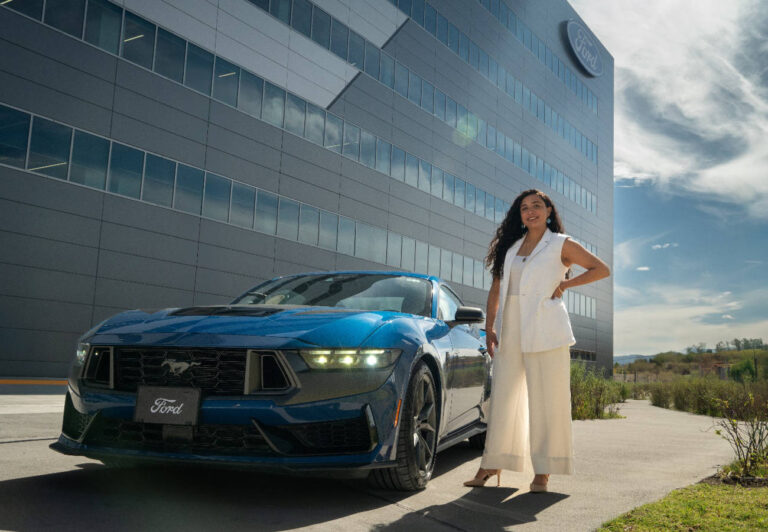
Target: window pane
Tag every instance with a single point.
(411, 170)
(440, 104)
(49, 149)
(414, 88)
(274, 102)
(422, 257)
(398, 164)
(243, 200)
(478, 280)
(315, 124)
(464, 46)
(301, 18)
(333, 127)
(428, 97)
(489, 206)
(249, 99)
(367, 149)
(295, 109)
(189, 189)
(346, 243)
(339, 37)
(474, 54)
(458, 196)
(356, 50)
(309, 219)
(169, 55)
(418, 12)
(138, 40)
(266, 212)
(446, 264)
(102, 25)
(370, 243)
(288, 219)
(479, 202)
(383, 150)
(66, 15)
(425, 175)
(401, 80)
(405, 6)
(90, 155)
(199, 69)
(226, 80)
(468, 271)
(321, 28)
(470, 204)
(408, 255)
(14, 133)
(450, 112)
(442, 29)
(499, 211)
(387, 74)
(433, 268)
(394, 249)
(351, 141)
(430, 19)
(216, 198)
(371, 60)
(328, 229)
(453, 37)
(437, 182)
(281, 9)
(448, 187)
(461, 119)
(31, 8)
(125, 169)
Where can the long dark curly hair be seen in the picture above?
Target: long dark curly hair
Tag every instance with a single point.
(512, 229)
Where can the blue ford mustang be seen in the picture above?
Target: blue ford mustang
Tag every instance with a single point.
(367, 372)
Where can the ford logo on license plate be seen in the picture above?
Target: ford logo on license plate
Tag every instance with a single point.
(167, 405)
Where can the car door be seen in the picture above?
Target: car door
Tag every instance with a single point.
(466, 365)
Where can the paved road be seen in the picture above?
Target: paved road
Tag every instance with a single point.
(620, 464)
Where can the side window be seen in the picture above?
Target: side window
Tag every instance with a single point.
(447, 305)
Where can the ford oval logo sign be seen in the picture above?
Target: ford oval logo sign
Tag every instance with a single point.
(585, 48)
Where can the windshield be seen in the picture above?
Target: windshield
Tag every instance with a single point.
(352, 290)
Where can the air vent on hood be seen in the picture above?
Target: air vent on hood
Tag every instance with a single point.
(255, 311)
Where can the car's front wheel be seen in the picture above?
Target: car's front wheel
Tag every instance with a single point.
(417, 436)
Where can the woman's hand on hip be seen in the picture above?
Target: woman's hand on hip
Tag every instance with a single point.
(559, 290)
(491, 341)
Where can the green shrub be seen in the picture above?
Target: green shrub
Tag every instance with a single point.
(661, 394)
(592, 395)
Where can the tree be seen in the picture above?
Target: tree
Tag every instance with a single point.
(743, 371)
(737, 343)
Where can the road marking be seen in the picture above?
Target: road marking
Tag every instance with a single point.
(36, 382)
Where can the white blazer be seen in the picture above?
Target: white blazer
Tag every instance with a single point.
(544, 322)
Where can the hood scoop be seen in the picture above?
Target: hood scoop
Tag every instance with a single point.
(251, 311)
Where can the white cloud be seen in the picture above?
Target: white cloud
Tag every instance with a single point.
(643, 268)
(665, 245)
(727, 317)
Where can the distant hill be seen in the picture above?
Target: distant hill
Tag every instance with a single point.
(626, 359)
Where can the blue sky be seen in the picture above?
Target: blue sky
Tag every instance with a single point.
(690, 169)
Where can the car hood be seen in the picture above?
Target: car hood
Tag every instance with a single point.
(269, 326)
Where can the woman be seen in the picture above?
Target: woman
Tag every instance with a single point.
(529, 422)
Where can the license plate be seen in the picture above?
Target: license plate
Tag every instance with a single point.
(170, 406)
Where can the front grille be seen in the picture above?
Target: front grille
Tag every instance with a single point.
(214, 371)
(206, 439)
(347, 435)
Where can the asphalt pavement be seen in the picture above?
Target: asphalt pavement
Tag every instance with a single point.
(620, 464)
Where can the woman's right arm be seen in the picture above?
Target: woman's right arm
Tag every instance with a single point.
(491, 309)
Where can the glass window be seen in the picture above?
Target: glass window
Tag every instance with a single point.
(295, 109)
(440, 104)
(159, 176)
(478, 280)
(394, 249)
(387, 74)
(333, 128)
(448, 187)
(315, 124)
(226, 81)
(371, 243)
(90, 155)
(461, 119)
(301, 18)
(199, 69)
(468, 271)
(216, 197)
(351, 147)
(428, 97)
(433, 268)
(483, 63)
(405, 6)
(479, 202)
(243, 202)
(31, 8)
(464, 46)
(474, 53)
(66, 15)
(356, 50)
(453, 37)
(49, 148)
(309, 220)
(458, 196)
(446, 263)
(249, 99)
(414, 88)
(138, 40)
(169, 55)
(329, 223)
(418, 12)
(470, 203)
(102, 25)
(401, 80)
(421, 257)
(409, 255)
(14, 134)
(457, 270)
(437, 182)
(425, 175)
(472, 128)
(371, 60)
(339, 38)
(411, 170)
(430, 19)
(450, 112)
(321, 27)
(346, 242)
(266, 212)
(499, 216)
(398, 164)
(125, 169)
(489, 206)
(189, 188)
(281, 9)
(274, 104)
(442, 29)
(367, 149)
(383, 150)
(288, 219)
(491, 138)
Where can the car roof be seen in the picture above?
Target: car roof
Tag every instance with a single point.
(369, 272)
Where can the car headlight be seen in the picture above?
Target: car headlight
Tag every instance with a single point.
(82, 353)
(349, 358)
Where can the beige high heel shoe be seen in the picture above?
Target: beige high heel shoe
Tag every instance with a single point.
(539, 488)
(481, 478)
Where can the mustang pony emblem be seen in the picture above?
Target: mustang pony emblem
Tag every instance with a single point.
(177, 368)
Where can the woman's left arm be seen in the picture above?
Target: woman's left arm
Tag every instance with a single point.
(574, 253)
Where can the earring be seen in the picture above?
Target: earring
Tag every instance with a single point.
(522, 226)
(549, 221)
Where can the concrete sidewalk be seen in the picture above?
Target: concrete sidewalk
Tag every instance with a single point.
(620, 464)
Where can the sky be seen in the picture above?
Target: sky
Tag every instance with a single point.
(690, 169)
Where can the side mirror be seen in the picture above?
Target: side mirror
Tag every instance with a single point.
(466, 315)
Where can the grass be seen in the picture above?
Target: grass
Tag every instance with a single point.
(699, 507)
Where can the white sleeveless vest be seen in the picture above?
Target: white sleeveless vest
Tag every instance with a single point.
(544, 322)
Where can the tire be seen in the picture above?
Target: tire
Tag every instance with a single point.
(477, 441)
(416, 438)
